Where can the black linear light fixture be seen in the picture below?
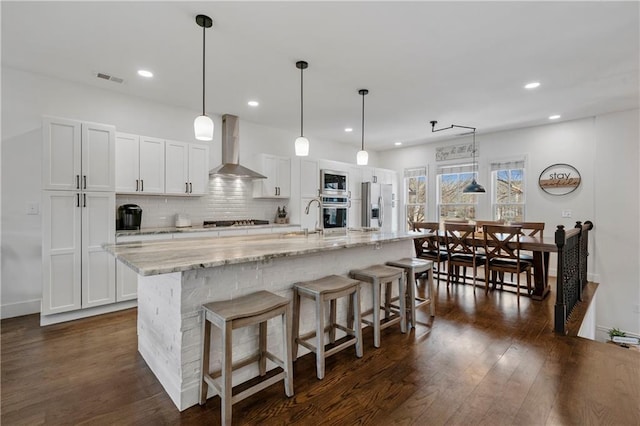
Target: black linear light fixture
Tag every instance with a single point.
(362, 158)
(302, 143)
(203, 125)
(474, 187)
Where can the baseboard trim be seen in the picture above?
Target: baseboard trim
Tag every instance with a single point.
(28, 307)
(603, 332)
(84, 313)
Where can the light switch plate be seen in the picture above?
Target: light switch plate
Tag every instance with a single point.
(566, 213)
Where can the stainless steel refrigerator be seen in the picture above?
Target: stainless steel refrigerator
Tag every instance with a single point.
(377, 206)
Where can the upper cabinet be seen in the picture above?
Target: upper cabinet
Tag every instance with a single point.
(278, 181)
(309, 178)
(139, 164)
(186, 168)
(355, 182)
(78, 155)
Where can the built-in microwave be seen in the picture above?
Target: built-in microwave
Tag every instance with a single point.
(334, 182)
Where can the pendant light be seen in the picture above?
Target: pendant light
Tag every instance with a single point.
(362, 158)
(302, 143)
(203, 125)
(474, 187)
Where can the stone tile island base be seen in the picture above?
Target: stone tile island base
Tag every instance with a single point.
(169, 323)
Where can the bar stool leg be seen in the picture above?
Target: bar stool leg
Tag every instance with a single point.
(403, 304)
(357, 321)
(376, 313)
(411, 297)
(288, 359)
(432, 304)
(206, 349)
(332, 321)
(387, 300)
(226, 404)
(296, 324)
(320, 338)
(262, 363)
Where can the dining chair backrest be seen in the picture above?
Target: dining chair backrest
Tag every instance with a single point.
(430, 244)
(531, 229)
(481, 223)
(502, 241)
(459, 238)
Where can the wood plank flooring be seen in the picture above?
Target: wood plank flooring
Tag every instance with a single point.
(482, 360)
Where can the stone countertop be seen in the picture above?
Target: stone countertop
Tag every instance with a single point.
(162, 257)
(198, 228)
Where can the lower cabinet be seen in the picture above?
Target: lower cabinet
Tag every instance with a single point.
(77, 273)
(127, 283)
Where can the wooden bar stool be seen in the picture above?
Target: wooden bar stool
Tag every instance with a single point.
(377, 275)
(414, 267)
(255, 308)
(325, 289)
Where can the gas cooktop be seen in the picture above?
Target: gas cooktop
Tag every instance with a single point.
(244, 222)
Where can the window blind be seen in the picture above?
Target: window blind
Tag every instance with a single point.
(505, 165)
(455, 168)
(415, 172)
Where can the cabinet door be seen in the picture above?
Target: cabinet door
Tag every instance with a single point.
(98, 157)
(176, 168)
(283, 177)
(127, 162)
(61, 154)
(61, 253)
(127, 282)
(98, 266)
(198, 169)
(355, 214)
(309, 178)
(151, 165)
(368, 175)
(266, 188)
(355, 182)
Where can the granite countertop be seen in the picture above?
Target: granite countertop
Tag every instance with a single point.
(198, 228)
(161, 257)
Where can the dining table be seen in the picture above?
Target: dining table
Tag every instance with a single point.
(540, 247)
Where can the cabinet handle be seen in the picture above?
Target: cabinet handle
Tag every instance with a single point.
(186, 187)
(141, 185)
(77, 181)
(78, 200)
(84, 180)
(190, 187)
(137, 185)
(84, 200)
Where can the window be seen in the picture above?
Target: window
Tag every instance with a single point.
(452, 202)
(508, 190)
(415, 195)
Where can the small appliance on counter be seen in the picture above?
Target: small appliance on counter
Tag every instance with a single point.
(129, 217)
(183, 220)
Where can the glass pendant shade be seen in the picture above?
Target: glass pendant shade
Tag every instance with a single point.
(203, 127)
(302, 146)
(362, 158)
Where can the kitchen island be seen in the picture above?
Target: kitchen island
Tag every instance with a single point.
(176, 277)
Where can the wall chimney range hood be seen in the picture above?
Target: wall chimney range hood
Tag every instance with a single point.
(230, 167)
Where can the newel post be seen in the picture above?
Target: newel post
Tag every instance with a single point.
(561, 305)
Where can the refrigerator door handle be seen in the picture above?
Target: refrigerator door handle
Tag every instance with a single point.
(381, 214)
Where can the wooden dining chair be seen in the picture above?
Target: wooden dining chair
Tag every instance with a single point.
(481, 223)
(462, 251)
(502, 251)
(530, 229)
(429, 248)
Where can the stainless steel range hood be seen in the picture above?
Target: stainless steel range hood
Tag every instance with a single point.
(230, 167)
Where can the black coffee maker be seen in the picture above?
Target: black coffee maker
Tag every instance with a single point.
(129, 217)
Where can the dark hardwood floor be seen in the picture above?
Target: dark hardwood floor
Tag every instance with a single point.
(482, 360)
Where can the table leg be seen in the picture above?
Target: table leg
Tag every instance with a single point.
(540, 275)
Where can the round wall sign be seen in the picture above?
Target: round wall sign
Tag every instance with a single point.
(559, 179)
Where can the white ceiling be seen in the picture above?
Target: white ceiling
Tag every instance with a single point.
(455, 62)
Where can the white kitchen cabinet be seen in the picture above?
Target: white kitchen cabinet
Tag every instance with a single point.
(355, 182)
(186, 168)
(355, 214)
(127, 282)
(139, 164)
(278, 181)
(77, 155)
(77, 272)
(309, 178)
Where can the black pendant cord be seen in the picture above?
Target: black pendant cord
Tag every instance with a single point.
(301, 102)
(204, 30)
(363, 121)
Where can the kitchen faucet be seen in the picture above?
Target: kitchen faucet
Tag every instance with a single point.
(306, 210)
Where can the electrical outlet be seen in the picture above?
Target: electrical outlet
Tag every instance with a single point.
(33, 208)
(566, 213)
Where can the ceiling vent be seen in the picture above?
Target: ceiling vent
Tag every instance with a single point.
(109, 77)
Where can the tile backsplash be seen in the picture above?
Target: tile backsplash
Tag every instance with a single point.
(226, 199)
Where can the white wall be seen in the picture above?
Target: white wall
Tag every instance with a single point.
(605, 151)
(26, 97)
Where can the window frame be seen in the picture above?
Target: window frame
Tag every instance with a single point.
(509, 167)
(470, 208)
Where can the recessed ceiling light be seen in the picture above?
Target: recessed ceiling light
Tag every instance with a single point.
(253, 103)
(532, 85)
(397, 143)
(348, 129)
(554, 117)
(145, 73)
